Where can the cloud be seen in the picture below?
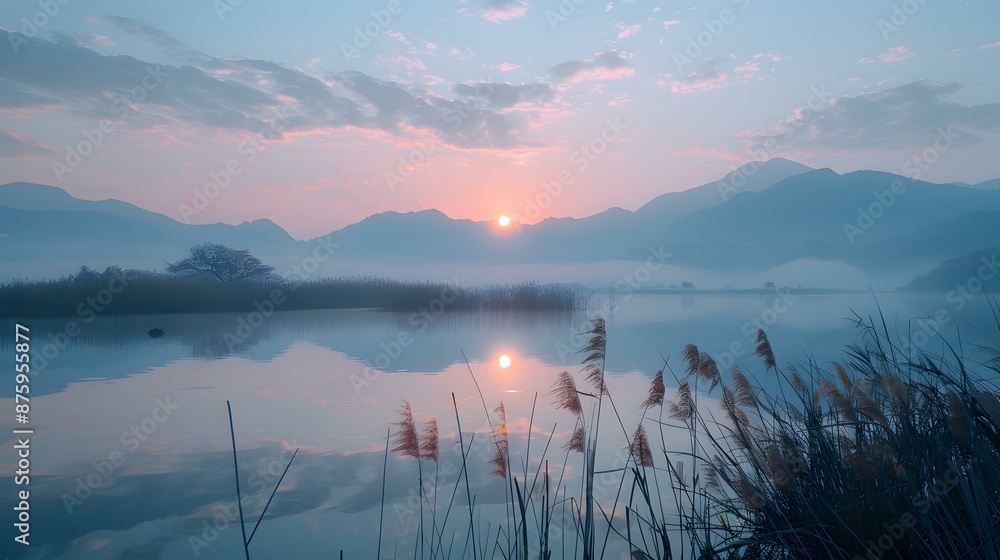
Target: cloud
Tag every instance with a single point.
(235, 95)
(503, 96)
(713, 73)
(670, 23)
(507, 66)
(153, 34)
(989, 46)
(16, 145)
(608, 65)
(498, 11)
(900, 119)
(894, 54)
(627, 31)
(708, 75)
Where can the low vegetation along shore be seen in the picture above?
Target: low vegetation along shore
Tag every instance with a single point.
(134, 292)
(877, 456)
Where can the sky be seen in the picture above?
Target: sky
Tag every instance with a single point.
(318, 114)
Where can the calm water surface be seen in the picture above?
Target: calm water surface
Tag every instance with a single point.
(131, 454)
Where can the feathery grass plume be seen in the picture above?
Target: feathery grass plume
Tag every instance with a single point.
(764, 351)
(845, 380)
(683, 409)
(742, 389)
(596, 353)
(781, 475)
(656, 392)
(865, 406)
(499, 460)
(566, 394)
(733, 412)
(692, 357)
(795, 378)
(708, 370)
(641, 453)
(577, 442)
(958, 418)
(748, 495)
(898, 391)
(841, 405)
(712, 481)
(406, 439)
(429, 445)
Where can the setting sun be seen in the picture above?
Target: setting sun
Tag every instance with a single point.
(504, 221)
(505, 361)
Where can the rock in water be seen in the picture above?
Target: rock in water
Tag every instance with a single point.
(156, 333)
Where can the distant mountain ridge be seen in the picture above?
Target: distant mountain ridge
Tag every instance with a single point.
(760, 216)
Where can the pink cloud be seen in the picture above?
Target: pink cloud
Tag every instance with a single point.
(501, 10)
(628, 31)
(670, 22)
(698, 83)
(894, 54)
(507, 66)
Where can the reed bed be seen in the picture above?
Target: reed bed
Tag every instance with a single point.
(133, 292)
(881, 455)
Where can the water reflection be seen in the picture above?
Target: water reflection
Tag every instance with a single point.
(331, 382)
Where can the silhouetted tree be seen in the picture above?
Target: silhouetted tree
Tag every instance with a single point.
(768, 285)
(227, 265)
(687, 285)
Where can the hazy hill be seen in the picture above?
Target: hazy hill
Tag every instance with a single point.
(971, 273)
(33, 197)
(815, 206)
(783, 213)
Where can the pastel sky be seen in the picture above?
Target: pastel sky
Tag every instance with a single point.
(316, 114)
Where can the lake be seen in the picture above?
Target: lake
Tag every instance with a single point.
(131, 454)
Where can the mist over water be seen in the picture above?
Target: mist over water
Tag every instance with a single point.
(331, 383)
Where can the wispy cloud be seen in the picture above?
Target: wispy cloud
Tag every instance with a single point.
(608, 65)
(625, 31)
(16, 145)
(989, 46)
(894, 54)
(898, 119)
(234, 94)
(507, 66)
(498, 11)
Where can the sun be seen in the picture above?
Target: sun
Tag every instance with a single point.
(504, 221)
(505, 361)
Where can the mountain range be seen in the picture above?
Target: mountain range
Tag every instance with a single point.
(761, 216)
